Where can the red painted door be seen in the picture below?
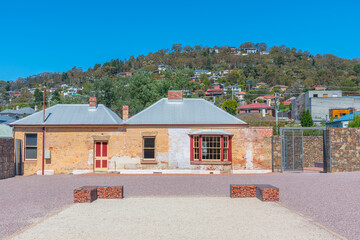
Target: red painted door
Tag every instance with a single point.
(101, 160)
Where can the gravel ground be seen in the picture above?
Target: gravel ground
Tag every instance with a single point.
(330, 199)
(176, 218)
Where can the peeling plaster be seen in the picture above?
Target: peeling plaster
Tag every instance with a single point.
(179, 148)
(91, 157)
(124, 162)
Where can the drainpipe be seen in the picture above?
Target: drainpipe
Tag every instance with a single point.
(43, 153)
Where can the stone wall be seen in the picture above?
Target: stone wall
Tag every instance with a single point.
(7, 160)
(345, 149)
(312, 151)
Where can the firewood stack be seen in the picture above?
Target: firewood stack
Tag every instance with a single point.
(113, 192)
(85, 194)
(243, 191)
(261, 191)
(267, 193)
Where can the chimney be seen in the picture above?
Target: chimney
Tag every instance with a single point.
(175, 95)
(92, 102)
(125, 113)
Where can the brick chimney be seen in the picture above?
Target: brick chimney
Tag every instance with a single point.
(125, 113)
(92, 102)
(175, 95)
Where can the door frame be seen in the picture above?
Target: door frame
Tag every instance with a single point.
(101, 158)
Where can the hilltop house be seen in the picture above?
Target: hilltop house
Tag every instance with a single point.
(18, 113)
(257, 108)
(174, 135)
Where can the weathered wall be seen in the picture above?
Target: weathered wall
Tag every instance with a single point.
(251, 148)
(345, 149)
(7, 160)
(73, 148)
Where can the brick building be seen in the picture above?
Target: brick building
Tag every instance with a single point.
(174, 135)
(257, 108)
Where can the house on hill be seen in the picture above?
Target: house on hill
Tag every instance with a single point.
(174, 135)
(257, 108)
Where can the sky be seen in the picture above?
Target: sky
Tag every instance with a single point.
(54, 36)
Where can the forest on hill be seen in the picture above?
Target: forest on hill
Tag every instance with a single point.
(276, 65)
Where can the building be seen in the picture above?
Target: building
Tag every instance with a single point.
(343, 122)
(257, 108)
(250, 50)
(281, 87)
(340, 112)
(174, 135)
(319, 103)
(267, 99)
(199, 72)
(216, 91)
(18, 113)
(234, 88)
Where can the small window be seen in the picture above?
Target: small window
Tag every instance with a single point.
(149, 148)
(31, 146)
(315, 95)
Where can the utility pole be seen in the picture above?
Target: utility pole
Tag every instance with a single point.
(276, 112)
(43, 153)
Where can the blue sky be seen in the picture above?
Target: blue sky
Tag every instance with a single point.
(54, 36)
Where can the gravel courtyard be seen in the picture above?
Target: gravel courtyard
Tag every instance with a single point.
(329, 199)
(176, 218)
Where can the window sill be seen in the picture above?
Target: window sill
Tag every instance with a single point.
(210, 163)
(30, 161)
(148, 162)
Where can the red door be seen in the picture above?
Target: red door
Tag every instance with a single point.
(101, 160)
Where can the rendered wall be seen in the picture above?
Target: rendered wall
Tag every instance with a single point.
(73, 148)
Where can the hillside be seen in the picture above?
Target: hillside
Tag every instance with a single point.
(228, 65)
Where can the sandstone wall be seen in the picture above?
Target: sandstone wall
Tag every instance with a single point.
(345, 149)
(73, 148)
(7, 160)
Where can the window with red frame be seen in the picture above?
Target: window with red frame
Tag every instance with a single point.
(210, 148)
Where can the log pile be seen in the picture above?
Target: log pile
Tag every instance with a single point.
(113, 192)
(85, 194)
(261, 191)
(267, 193)
(243, 191)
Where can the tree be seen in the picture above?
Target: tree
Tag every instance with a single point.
(230, 106)
(355, 121)
(306, 119)
(38, 95)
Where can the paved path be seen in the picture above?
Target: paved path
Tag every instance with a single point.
(176, 218)
(330, 199)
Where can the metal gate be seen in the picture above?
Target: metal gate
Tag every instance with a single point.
(292, 158)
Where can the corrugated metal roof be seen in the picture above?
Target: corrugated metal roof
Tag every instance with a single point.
(24, 111)
(72, 114)
(188, 111)
(6, 131)
(211, 132)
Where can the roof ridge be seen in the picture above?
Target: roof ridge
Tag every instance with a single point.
(146, 109)
(107, 111)
(237, 119)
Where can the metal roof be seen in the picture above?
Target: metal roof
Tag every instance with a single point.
(211, 132)
(72, 114)
(188, 111)
(24, 111)
(347, 117)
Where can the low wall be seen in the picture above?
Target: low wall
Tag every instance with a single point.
(7, 161)
(312, 150)
(345, 149)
